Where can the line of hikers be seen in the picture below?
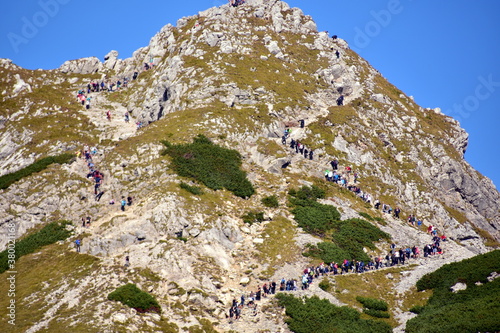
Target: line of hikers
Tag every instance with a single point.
(393, 258)
(349, 179)
(95, 86)
(98, 177)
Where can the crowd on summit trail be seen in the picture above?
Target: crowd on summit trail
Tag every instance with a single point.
(345, 177)
(396, 256)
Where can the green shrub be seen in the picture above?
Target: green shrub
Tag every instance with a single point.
(49, 234)
(253, 217)
(216, 167)
(135, 298)
(475, 309)
(377, 313)
(417, 309)
(313, 217)
(192, 189)
(320, 316)
(325, 285)
(327, 252)
(349, 238)
(271, 201)
(373, 303)
(40, 165)
(468, 271)
(359, 231)
(366, 216)
(316, 218)
(307, 193)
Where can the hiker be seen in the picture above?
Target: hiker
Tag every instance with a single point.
(311, 154)
(129, 201)
(302, 123)
(88, 221)
(340, 100)
(108, 115)
(123, 203)
(127, 261)
(127, 117)
(99, 196)
(283, 140)
(337, 53)
(77, 244)
(334, 164)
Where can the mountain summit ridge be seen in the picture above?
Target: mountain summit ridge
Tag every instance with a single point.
(239, 76)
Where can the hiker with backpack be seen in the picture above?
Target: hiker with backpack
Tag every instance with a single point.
(123, 203)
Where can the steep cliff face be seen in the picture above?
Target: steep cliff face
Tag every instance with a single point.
(239, 76)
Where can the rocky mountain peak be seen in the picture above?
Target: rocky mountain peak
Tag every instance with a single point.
(239, 76)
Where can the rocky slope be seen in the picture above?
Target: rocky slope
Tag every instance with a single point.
(238, 76)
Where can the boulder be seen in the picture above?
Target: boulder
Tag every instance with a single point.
(457, 287)
(273, 47)
(226, 47)
(20, 85)
(81, 66)
(111, 59)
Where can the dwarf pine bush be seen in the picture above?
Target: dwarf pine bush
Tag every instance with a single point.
(270, 201)
(135, 298)
(312, 216)
(320, 316)
(214, 166)
(377, 313)
(40, 165)
(475, 309)
(373, 303)
(253, 217)
(349, 237)
(191, 189)
(49, 234)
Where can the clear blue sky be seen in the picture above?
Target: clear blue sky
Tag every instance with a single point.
(444, 53)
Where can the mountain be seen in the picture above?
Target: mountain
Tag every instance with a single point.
(232, 78)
